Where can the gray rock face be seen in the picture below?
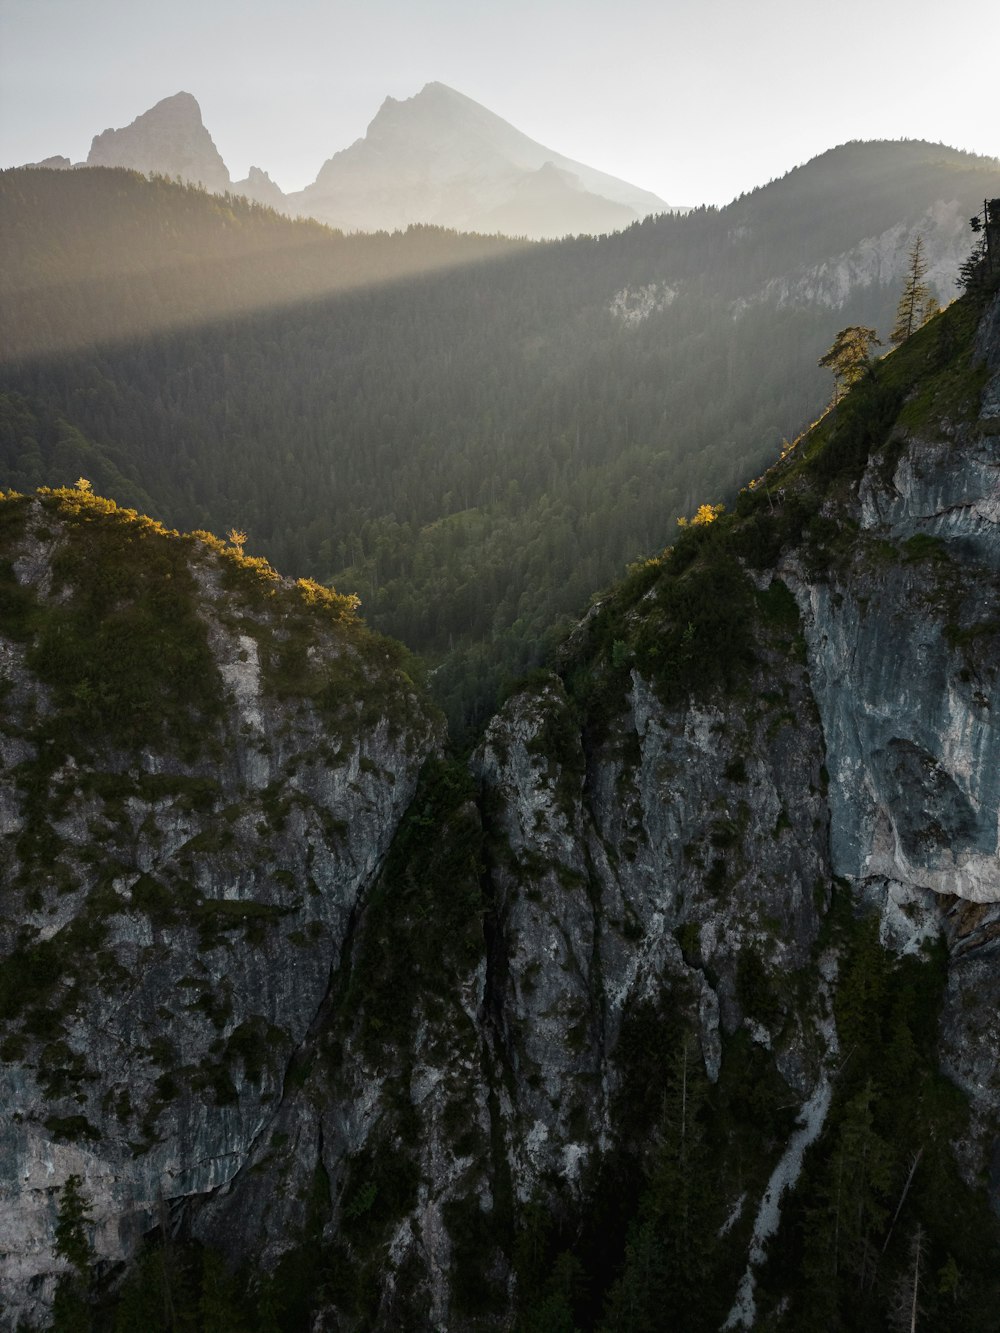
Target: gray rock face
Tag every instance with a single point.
(970, 1040)
(880, 261)
(216, 891)
(606, 875)
(690, 835)
(169, 139)
(988, 350)
(903, 675)
(57, 163)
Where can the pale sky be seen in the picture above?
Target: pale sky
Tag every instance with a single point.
(696, 100)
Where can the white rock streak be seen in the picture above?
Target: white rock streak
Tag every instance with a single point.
(783, 1177)
(242, 675)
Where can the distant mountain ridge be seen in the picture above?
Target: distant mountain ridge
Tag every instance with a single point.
(437, 157)
(440, 157)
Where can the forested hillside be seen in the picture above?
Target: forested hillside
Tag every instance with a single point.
(104, 254)
(472, 435)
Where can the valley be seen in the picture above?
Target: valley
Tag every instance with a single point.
(615, 946)
(474, 435)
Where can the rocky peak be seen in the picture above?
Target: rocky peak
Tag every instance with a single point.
(261, 188)
(56, 163)
(170, 139)
(443, 158)
(436, 107)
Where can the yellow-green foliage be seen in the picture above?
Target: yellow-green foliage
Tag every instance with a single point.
(705, 514)
(343, 606)
(254, 570)
(126, 654)
(80, 501)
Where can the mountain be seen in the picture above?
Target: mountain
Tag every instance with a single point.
(56, 163)
(169, 139)
(259, 187)
(674, 1007)
(437, 158)
(441, 158)
(473, 435)
(139, 257)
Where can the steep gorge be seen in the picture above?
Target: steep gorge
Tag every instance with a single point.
(563, 1037)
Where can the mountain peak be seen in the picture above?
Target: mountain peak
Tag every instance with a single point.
(170, 139)
(439, 157)
(443, 92)
(436, 103)
(182, 101)
(430, 92)
(260, 187)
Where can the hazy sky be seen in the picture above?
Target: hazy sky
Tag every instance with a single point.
(697, 100)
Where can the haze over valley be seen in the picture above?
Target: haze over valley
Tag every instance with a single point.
(472, 433)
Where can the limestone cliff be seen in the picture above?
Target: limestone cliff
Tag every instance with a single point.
(203, 771)
(789, 718)
(779, 729)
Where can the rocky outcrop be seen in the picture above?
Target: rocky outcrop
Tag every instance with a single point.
(174, 909)
(694, 846)
(911, 739)
(57, 163)
(169, 139)
(663, 855)
(880, 261)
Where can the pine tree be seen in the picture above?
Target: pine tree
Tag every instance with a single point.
(906, 1309)
(72, 1242)
(667, 1258)
(850, 1213)
(913, 306)
(849, 356)
(978, 271)
(70, 1308)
